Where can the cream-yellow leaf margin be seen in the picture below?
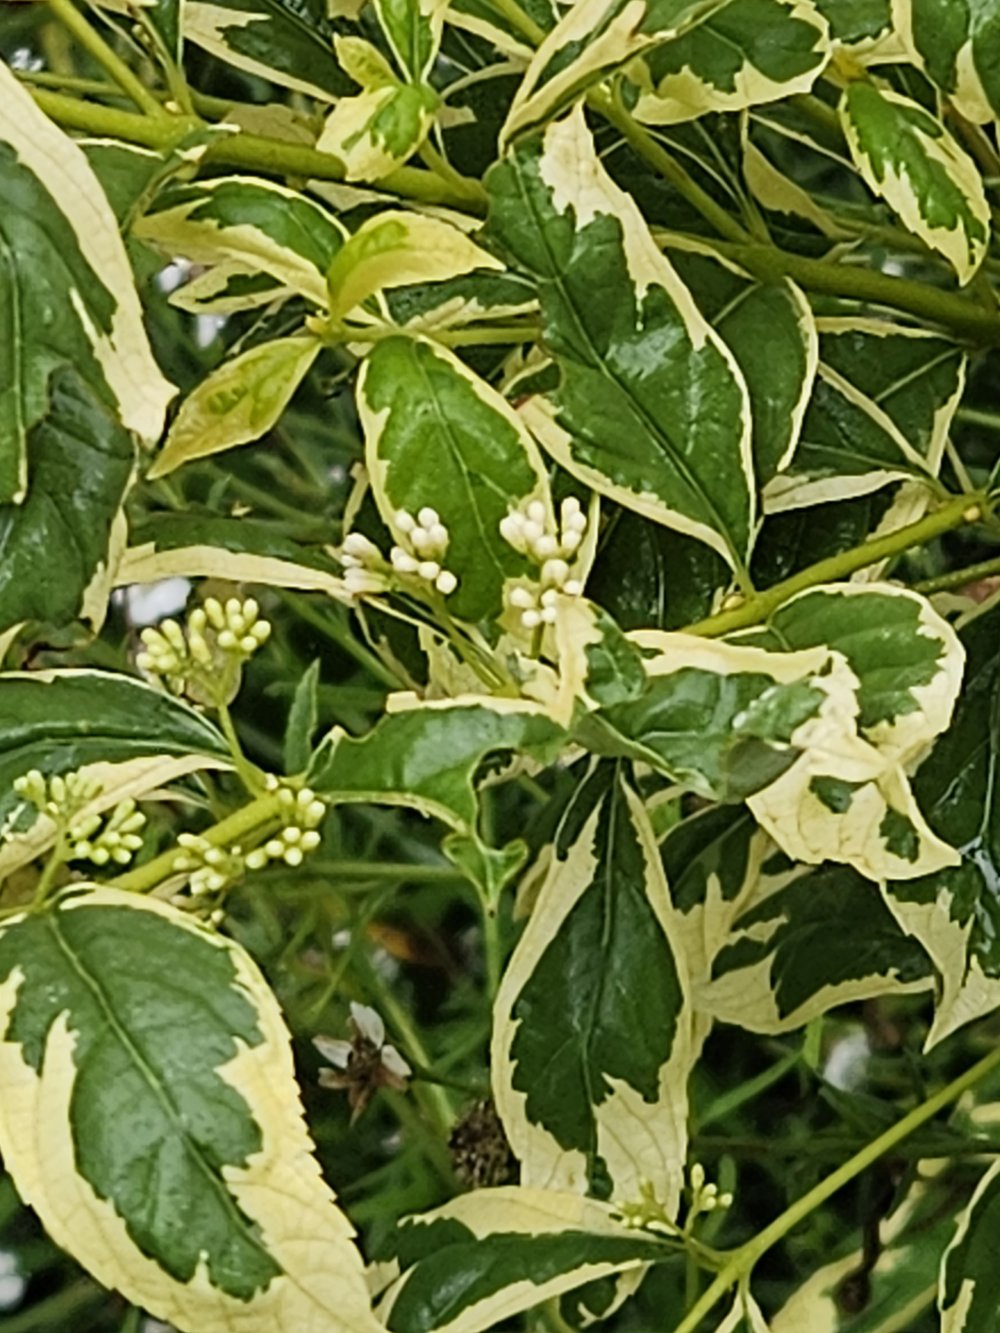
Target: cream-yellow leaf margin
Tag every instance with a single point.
(322, 1287)
(145, 564)
(639, 1141)
(124, 354)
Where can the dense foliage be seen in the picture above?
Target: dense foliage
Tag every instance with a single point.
(543, 786)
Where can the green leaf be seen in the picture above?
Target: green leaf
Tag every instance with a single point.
(239, 550)
(237, 402)
(824, 939)
(484, 1257)
(779, 370)
(438, 436)
(60, 546)
(131, 737)
(303, 719)
(289, 42)
(393, 249)
(413, 30)
(956, 43)
(426, 755)
(258, 225)
(745, 53)
(906, 155)
(955, 914)
(724, 721)
(590, 1071)
(483, 19)
(480, 294)
(864, 27)
(61, 253)
(636, 360)
(376, 131)
(969, 1289)
(156, 1128)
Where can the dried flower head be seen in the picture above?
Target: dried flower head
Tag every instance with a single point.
(365, 1063)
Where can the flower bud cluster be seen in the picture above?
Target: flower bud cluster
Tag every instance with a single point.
(704, 1196)
(533, 534)
(210, 869)
(61, 797)
(217, 634)
(93, 837)
(419, 555)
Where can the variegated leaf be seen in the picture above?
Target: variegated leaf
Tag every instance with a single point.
(288, 42)
(967, 1294)
(413, 30)
(438, 436)
(955, 913)
(865, 28)
(394, 249)
(129, 736)
(481, 1259)
(376, 131)
(255, 224)
(745, 53)
(906, 155)
(825, 938)
(120, 1087)
(779, 370)
(479, 294)
(486, 21)
(589, 1072)
(237, 402)
(956, 42)
(61, 253)
(636, 361)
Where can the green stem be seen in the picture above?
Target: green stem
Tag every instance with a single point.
(91, 40)
(956, 513)
(742, 1260)
(341, 635)
(250, 775)
(521, 22)
(650, 151)
(391, 870)
(56, 858)
(56, 1311)
(237, 150)
(975, 416)
(499, 335)
(233, 829)
(441, 167)
(958, 578)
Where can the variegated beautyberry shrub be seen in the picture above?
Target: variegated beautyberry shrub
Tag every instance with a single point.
(500, 606)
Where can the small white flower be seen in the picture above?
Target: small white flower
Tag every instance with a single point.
(366, 1063)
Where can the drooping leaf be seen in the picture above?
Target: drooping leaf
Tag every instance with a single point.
(956, 43)
(779, 370)
(256, 224)
(438, 436)
(824, 939)
(744, 53)
(393, 249)
(969, 1279)
(67, 295)
(637, 362)
(60, 546)
(289, 42)
(589, 1070)
(907, 156)
(237, 402)
(426, 755)
(484, 1257)
(156, 1128)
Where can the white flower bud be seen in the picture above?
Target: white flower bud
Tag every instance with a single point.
(521, 598)
(550, 598)
(429, 570)
(427, 517)
(555, 571)
(512, 530)
(421, 539)
(531, 531)
(293, 856)
(546, 546)
(439, 536)
(573, 588)
(550, 615)
(310, 840)
(402, 561)
(531, 619)
(446, 582)
(405, 521)
(357, 545)
(227, 640)
(536, 512)
(571, 539)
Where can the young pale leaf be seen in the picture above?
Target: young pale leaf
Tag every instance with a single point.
(255, 224)
(637, 362)
(968, 1290)
(303, 719)
(824, 939)
(954, 913)
(481, 1259)
(288, 42)
(413, 31)
(589, 1070)
(60, 546)
(592, 39)
(239, 550)
(61, 254)
(779, 370)
(393, 249)
(745, 53)
(120, 1087)
(906, 155)
(376, 131)
(956, 42)
(130, 736)
(426, 755)
(725, 721)
(437, 436)
(239, 401)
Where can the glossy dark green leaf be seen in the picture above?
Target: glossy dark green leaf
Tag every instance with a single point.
(957, 43)
(970, 1278)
